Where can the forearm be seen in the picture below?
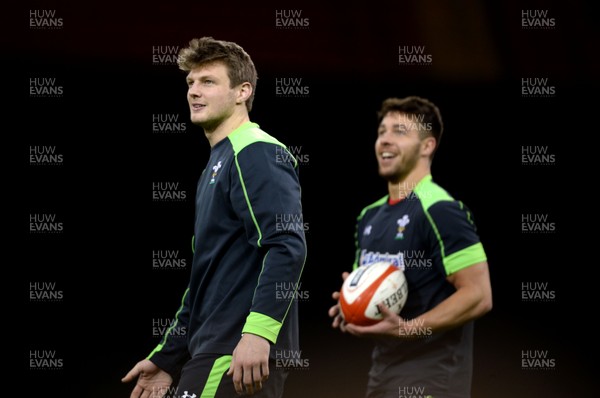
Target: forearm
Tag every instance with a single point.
(464, 305)
(279, 285)
(172, 350)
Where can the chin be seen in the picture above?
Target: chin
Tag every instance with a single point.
(390, 169)
(197, 120)
(390, 175)
(386, 174)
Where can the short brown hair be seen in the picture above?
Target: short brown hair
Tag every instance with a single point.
(204, 50)
(428, 113)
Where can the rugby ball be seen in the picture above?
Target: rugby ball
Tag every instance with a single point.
(369, 285)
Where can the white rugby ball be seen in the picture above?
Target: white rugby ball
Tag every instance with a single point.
(369, 285)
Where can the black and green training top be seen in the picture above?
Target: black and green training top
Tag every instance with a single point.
(429, 235)
(248, 257)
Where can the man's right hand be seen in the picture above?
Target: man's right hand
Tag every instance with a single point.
(152, 382)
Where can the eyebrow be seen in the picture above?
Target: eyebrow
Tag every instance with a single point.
(201, 77)
(395, 125)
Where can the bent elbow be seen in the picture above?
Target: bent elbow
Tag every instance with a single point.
(485, 305)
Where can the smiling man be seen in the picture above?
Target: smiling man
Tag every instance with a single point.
(418, 226)
(235, 317)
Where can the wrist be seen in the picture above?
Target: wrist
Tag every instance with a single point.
(254, 336)
(405, 329)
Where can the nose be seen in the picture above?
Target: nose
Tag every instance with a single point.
(383, 138)
(194, 90)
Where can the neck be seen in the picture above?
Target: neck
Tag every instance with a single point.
(219, 132)
(401, 188)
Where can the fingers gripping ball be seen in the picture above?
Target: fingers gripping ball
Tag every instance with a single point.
(368, 286)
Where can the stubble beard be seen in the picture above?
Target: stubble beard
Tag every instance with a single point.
(407, 163)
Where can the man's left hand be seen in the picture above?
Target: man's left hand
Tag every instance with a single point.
(250, 364)
(388, 326)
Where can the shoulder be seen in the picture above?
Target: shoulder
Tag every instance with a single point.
(253, 144)
(249, 134)
(372, 207)
(440, 206)
(431, 194)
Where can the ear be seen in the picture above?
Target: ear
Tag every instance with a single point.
(244, 92)
(428, 145)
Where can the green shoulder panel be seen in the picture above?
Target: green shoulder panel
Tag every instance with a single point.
(249, 133)
(429, 193)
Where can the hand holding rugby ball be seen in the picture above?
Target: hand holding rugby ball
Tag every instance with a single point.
(369, 285)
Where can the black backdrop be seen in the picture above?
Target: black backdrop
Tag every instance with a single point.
(108, 87)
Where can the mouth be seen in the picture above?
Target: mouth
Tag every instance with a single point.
(387, 155)
(197, 107)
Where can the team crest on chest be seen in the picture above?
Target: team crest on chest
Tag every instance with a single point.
(215, 169)
(402, 223)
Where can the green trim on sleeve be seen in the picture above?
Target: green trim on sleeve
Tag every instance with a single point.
(239, 170)
(249, 133)
(215, 376)
(464, 258)
(159, 347)
(262, 268)
(437, 234)
(155, 350)
(297, 286)
(263, 326)
(429, 193)
(193, 243)
(469, 217)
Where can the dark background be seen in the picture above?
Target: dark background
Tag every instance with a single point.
(348, 57)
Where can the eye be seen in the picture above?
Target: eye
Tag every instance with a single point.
(209, 82)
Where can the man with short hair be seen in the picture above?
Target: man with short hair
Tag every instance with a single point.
(427, 349)
(235, 318)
